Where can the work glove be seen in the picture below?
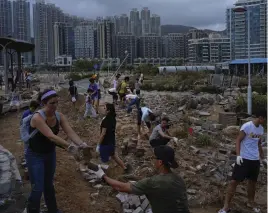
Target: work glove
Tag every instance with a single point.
(175, 140)
(100, 173)
(83, 145)
(239, 160)
(98, 148)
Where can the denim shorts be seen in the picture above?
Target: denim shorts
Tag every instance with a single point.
(106, 151)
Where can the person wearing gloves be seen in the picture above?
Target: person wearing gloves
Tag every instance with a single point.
(249, 151)
(166, 191)
(41, 154)
(106, 145)
(160, 135)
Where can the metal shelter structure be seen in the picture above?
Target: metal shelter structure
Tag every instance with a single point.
(19, 46)
(257, 65)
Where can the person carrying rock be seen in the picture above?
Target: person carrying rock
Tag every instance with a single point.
(160, 135)
(41, 153)
(248, 151)
(166, 191)
(106, 145)
(145, 116)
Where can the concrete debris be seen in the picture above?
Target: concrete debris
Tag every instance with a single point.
(133, 203)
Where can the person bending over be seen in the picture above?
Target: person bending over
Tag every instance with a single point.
(145, 116)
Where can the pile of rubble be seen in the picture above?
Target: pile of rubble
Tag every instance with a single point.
(133, 203)
(205, 169)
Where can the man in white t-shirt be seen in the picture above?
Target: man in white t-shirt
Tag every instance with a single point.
(249, 152)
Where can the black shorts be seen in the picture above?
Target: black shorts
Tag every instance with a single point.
(99, 94)
(148, 124)
(159, 142)
(249, 169)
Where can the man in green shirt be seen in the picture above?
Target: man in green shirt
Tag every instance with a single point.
(166, 191)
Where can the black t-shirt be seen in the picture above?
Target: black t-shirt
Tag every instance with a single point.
(73, 90)
(109, 123)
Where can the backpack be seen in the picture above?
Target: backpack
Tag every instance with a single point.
(26, 124)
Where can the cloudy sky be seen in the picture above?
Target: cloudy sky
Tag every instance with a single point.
(208, 14)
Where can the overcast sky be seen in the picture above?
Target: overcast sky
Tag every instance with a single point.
(208, 14)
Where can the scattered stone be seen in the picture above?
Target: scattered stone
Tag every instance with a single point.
(231, 130)
(202, 113)
(98, 186)
(191, 191)
(145, 204)
(194, 149)
(182, 108)
(138, 210)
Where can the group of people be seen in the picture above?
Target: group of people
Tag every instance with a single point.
(165, 191)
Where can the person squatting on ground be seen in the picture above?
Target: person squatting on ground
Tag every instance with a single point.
(166, 191)
(106, 145)
(41, 154)
(73, 92)
(132, 99)
(160, 135)
(248, 151)
(94, 96)
(145, 116)
(112, 91)
(123, 90)
(88, 105)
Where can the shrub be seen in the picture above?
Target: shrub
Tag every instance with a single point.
(78, 76)
(203, 140)
(259, 102)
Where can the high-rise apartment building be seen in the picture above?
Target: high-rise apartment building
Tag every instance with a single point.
(5, 21)
(105, 34)
(192, 34)
(150, 46)
(123, 27)
(145, 20)
(84, 41)
(134, 22)
(22, 24)
(174, 45)
(237, 29)
(63, 40)
(214, 49)
(116, 21)
(44, 18)
(155, 24)
(5, 18)
(125, 42)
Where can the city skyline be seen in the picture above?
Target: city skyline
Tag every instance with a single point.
(208, 15)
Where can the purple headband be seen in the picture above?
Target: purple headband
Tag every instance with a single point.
(49, 93)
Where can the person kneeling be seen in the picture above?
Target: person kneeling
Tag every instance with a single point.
(160, 135)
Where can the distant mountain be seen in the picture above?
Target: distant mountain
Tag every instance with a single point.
(166, 29)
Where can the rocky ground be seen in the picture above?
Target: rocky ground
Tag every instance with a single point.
(205, 156)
